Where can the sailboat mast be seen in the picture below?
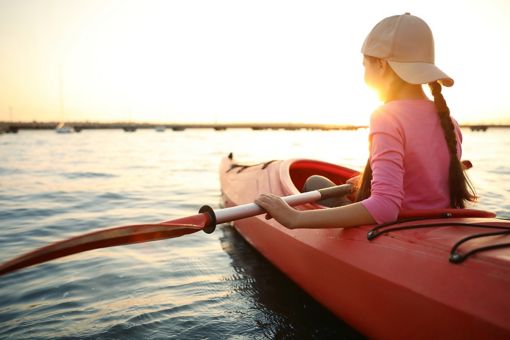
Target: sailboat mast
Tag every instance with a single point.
(61, 90)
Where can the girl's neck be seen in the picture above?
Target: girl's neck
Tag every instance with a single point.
(400, 90)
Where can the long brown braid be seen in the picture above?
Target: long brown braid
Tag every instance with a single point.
(459, 186)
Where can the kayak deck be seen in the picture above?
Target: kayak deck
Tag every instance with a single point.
(399, 284)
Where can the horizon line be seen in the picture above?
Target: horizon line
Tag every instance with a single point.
(81, 125)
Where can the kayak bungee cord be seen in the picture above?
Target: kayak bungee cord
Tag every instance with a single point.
(244, 167)
(455, 256)
(206, 220)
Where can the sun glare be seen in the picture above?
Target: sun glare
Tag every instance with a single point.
(152, 72)
(224, 62)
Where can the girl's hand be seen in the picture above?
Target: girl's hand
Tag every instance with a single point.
(354, 180)
(278, 209)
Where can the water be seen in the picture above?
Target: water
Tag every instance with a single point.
(197, 286)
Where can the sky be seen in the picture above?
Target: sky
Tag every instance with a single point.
(234, 61)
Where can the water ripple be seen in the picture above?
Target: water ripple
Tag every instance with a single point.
(193, 287)
(80, 175)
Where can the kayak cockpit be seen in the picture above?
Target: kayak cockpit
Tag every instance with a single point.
(300, 170)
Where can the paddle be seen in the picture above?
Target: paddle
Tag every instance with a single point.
(206, 220)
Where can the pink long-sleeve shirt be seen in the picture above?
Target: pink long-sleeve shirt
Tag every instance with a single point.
(409, 159)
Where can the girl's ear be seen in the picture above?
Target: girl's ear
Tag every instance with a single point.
(383, 65)
(386, 69)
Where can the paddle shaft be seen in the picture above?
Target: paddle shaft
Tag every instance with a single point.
(251, 209)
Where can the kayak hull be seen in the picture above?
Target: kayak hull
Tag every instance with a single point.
(399, 285)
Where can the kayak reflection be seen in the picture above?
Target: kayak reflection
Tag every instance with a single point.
(282, 309)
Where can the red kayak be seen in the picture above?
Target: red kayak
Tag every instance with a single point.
(433, 274)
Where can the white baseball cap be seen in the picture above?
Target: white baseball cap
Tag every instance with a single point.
(406, 42)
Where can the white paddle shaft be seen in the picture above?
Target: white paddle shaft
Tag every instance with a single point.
(251, 209)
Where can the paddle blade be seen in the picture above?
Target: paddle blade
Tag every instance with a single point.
(111, 237)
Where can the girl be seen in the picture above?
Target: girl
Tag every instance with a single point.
(415, 146)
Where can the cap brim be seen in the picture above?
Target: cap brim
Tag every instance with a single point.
(420, 73)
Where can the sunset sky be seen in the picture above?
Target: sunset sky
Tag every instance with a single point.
(234, 61)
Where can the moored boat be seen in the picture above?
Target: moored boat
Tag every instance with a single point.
(433, 274)
(64, 128)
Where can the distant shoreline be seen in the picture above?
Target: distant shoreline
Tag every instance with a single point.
(79, 126)
(13, 127)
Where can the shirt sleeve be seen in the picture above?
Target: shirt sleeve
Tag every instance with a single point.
(387, 163)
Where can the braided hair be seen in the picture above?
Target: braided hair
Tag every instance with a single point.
(459, 186)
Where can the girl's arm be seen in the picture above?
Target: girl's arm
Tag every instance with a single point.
(351, 215)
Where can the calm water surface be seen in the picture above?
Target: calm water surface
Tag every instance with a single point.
(198, 286)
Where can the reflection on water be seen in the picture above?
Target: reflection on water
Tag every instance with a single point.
(283, 309)
(54, 186)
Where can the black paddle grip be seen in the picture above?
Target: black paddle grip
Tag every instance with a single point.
(336, 191)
